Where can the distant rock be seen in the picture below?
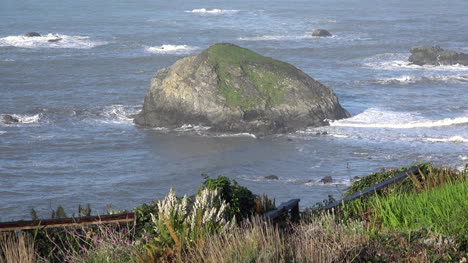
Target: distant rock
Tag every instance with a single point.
(8, 119)
(436, 56)
(55, 39)
(321, 33)
(32, 34)
(327, 180)
(232, 89)
(271, 177)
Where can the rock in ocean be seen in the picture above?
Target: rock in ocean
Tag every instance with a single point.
(232, 89)
(436, 56)
(32, 34)
(321, 33)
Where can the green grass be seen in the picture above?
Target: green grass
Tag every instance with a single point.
(444, 210)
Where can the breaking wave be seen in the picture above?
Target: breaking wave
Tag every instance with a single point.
(172, 49)
(212, 11)
(399, 61)
(118, 114)
(375, 118)
(455, 139)
(406, 79)
(50, 41)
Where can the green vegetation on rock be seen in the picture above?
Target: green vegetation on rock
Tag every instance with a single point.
(263, 73)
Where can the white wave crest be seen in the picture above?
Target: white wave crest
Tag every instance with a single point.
(190, 127)
(118, 114)
(3, 132)
(281, 37)
(399, 61)
(406, 79)
(375, 118)
(172, 49)
(27, 118)
(212, 11)
(50, 41)
(463, 157)
(456, 139)
(244, 134)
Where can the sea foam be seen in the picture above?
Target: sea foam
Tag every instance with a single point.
(407, 79)
(212, 11)
(172, 49)
(118, 114)
(376, 118)
(66, 41)
(399, 61)
(455, 139)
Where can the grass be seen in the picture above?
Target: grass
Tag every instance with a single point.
(444, 210)
(16, 248)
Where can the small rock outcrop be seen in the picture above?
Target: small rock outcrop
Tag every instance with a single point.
(271, 177)
(232, 89)
(32, 34)
(8, 119)
(326, 180)
(321, 33)
(436, 56)
(54, 40)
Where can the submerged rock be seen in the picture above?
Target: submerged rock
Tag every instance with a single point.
(321, 33)
(436, 56)
(7, 119)
(232, 89)
(271, 177)
(32, 34)
(54, 39)
(327, 180)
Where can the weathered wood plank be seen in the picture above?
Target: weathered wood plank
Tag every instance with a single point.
(372, 189)
(62, 222)
(283, 208)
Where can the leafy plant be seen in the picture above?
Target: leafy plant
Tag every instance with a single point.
(240, 199)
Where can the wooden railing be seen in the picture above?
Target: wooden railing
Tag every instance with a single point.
(374, 188)
(288, 209)
(61, 222)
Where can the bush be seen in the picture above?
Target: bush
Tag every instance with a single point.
(240, 199)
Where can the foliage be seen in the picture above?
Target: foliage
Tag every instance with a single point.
(317, 209)
(240, 199)
(263, 204)
(180, 223)
(104, 243)
(443, 210)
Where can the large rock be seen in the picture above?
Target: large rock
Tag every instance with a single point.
(436, 56)
(232, 89)
(321, 33)
(32, 34)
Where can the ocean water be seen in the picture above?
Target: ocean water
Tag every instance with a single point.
(76, 143)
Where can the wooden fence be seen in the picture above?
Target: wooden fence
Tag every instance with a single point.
(374, 188)
(61, 222)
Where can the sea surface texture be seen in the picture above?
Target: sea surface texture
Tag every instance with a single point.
(76, 142)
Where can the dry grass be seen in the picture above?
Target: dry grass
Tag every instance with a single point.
(254, 241)
(16, 248)
(323, 240)
(326, 240)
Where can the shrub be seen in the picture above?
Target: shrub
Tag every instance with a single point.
(240, 199)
